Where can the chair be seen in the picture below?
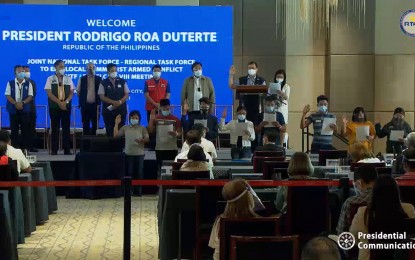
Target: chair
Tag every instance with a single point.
(258, 161)
(407, 194)
(269, 166)
(8, 172)
(269, 153)
(207, 198)
(384, 170)
(323, 155)
(268, 211)
(277, 247)
(42, 126)
(280, 174)
(190, 175)
(245, 227)
(74, 130)
(303, 200)
(177, 165)
(376, 165)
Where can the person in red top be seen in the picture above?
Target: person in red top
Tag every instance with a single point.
(167, 128)
(408, 160)
(155, 89)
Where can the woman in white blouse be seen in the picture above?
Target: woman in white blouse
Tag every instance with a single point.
(384, 213)
(284, 94)
(240, 140)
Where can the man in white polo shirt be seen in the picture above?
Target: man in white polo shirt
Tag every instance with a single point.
(207, 145)
(23, 165)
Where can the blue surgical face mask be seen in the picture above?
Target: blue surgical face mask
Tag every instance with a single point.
(241, 117)
(269, 109)
(165, 113)
(197, 73)
(134, 121)
(322, 109)
(21, 75)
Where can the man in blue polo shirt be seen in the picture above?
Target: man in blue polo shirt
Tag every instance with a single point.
(320, 142)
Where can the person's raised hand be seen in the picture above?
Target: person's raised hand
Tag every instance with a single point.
(232, 70)
(224, 112)
(345, 120)
(377, 120)
(306, 109)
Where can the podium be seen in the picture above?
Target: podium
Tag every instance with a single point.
(251, 97)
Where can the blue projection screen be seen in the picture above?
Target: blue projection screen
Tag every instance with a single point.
(133, 37)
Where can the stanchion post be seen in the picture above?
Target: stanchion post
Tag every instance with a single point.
(126, 182)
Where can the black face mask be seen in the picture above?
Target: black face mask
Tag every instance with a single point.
(204, 111)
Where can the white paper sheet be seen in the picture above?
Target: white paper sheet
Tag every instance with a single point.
(270, 117)
(240, 128)
(163, 132)
(362, 132)
(396, 135)
(274, 88)
(326, 130)
(200, 121)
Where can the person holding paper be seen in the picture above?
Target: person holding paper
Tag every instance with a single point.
(113, 92)
(135, 138)
(167, 128)
(195, 87)
(320, 141)
(252, 79)
(203, 116)
(360, 129)
(270, 120)
(60, 88)
(395, 131)
(283, 93)
(242, 133)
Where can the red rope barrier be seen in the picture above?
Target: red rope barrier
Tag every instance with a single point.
(254, 183)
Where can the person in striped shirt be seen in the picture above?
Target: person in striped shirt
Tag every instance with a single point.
(320, 142)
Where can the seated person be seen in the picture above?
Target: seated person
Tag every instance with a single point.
(240, 145)
(207, 145)
(359, 120)
(320, 142)
(383, 214)
(398, 165)
(188, 119)
(397, 123)
(23, 165)
(196, 159)
(278, 126)
(300, 168)
(239, 204)
(320, 248)
(6, 160)
(269, 138)
(194, 137)
(408, 163)
(359, 153)
(364, 179)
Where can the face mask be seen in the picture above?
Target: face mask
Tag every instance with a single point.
(204, 110)
(269, 109)
(156, 74)
(252, 72)
(27, 75)
(113, 74)
(91, 71)
(279, 80)
(241, 117)
(322, 109)
(197, 73)
(62, 72)
(357, 188)
(21, 75)
(134, 121)
(165, 113)
(360, 119)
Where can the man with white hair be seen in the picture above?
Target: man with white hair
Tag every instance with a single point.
(87, 90)
(410, 144)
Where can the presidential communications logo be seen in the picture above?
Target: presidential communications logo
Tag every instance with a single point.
(408, 23)
(346, 241)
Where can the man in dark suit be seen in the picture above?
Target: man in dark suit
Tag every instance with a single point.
(251, 102)
(269, 138)
(87, 90)
(188, 119)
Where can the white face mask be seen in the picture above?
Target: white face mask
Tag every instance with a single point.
(157, 74)
(279, 80)
(27, 75)
(252, 72)
(241, 117)
(113, 74)
(197, 73)
(269, 109)
(62, 72)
